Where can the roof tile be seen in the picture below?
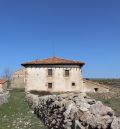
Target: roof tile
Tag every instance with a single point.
(2, 81)
(53, 61)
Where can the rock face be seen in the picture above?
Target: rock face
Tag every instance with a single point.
(4, 97)
(73, 111)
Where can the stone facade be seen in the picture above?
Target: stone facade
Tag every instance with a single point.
(53, 74)
(37, 78)
(91, 86)
(18, 79)
(56, 75)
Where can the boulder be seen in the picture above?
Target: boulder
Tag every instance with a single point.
(116, 123)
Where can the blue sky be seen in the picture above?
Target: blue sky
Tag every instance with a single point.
(86, 30)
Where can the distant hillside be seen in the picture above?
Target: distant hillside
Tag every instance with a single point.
(110, 82)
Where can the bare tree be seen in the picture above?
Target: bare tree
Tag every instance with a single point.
(7, 75)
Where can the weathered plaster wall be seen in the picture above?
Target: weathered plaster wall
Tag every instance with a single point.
(37, 79)
(18, 79)
(1, 89)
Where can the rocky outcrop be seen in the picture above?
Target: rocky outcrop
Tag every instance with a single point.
(4, 97)
(73, 111)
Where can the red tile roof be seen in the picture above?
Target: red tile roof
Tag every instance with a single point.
(2, 81)
(54, 61)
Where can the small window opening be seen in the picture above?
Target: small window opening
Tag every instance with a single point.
(67, 73)
(73, 84)
(96, 89)
(50, 72)
(50, 86)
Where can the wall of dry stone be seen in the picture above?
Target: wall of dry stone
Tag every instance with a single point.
(4, 97)
(73, 111)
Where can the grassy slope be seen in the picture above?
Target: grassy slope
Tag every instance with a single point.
(109, 82)
(17, 115)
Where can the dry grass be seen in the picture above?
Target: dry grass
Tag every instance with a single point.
(111, 98)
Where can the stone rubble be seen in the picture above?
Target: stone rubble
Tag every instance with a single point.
(72, 111)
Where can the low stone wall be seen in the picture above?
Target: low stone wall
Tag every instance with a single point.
(4, 97)
(73, 111)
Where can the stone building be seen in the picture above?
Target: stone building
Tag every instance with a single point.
(54, 74)
(3, 85)
(91, 86)
(18, 79)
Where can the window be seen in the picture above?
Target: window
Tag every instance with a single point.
(67, 73)
(73, 84)
(50, 86)
(50, 72)
(96, 89)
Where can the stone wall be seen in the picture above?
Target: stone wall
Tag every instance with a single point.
(4, 87)
(91, 87)
(4, 97)
(18, 79)
(73, 111)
